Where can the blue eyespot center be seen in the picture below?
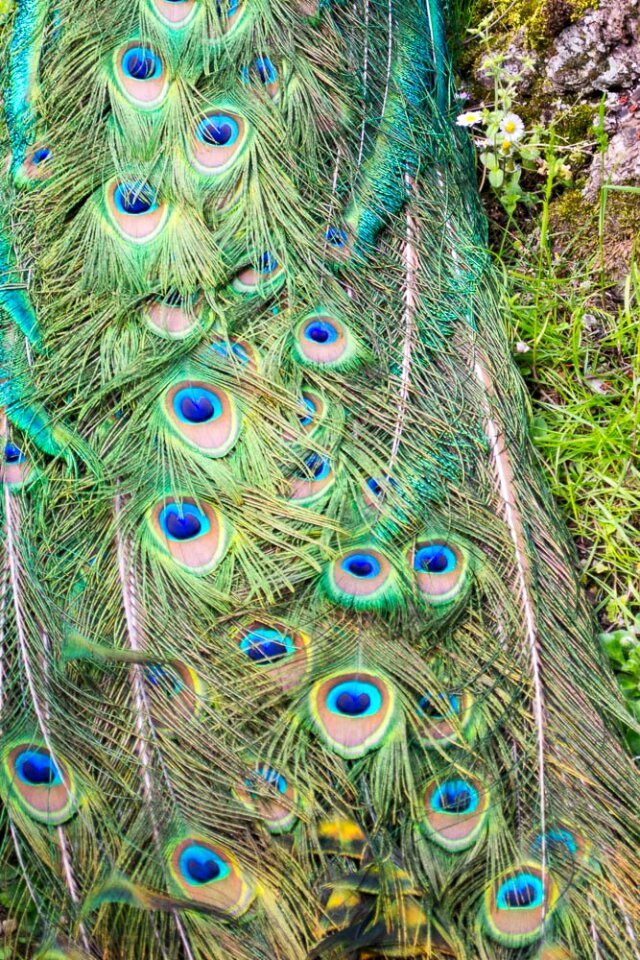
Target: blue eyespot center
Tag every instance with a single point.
(218, 130)
(183, 521)
(435, 558)
(353, 704)
(315, 464)
(262, 68)
(227, 350)
(41, 155)
(267, 263)
(439, 707)
(455, 796)
(375, 484)
(311, 408)
(199, 865)
(336, 237)
(37, 769)
(197, 405)
(354, 698)
(560, 841)
(522, 891)
(265, 645)
(196, 410)
(183, 528)
(134, 198)
(269, 776)
(227, 9)
(173, 298)
(266, 70)
(164, 680)
(141, 63)
(13, 454)
(239, 351)
(320, 331)
(364, 566)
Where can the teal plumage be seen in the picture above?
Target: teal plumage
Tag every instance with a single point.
(294, 658)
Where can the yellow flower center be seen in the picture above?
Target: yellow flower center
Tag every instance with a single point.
(509, 126)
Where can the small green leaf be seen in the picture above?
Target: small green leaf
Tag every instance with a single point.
(489, 160)
(539, 428)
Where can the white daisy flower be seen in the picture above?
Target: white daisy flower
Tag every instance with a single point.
(469, 119)
(512, 126)
(505, 146)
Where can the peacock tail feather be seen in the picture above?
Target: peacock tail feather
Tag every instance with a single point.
(294, 659)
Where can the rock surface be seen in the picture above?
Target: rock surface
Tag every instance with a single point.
(600, 52)
(620, 165)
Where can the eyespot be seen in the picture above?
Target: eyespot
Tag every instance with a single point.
(219, 139)
(312, 479)
(37, 165)
(440, 569)
(240, 353)
(518, 904)
(337, 242)
(13, 454)
(268, 792)
(444, 717)
(261, 71)
(375, 488)
(279, 652)
(563, 844)
(205, 416)
(321, 340)
(455, 812)
(313, 410)
(336, 237)
(141, 75)
(43, 787)
(194, 535)
(227, 8)
(209, 874)
(14, 469)
(310, 414)
(265, 645)
(362, 577)
(229, 14)
(173, 317)
(175, 693)
(260, 278)
(175, 13)
(352, 712)
(135, 210)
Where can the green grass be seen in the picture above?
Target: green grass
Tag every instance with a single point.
(582, 367)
